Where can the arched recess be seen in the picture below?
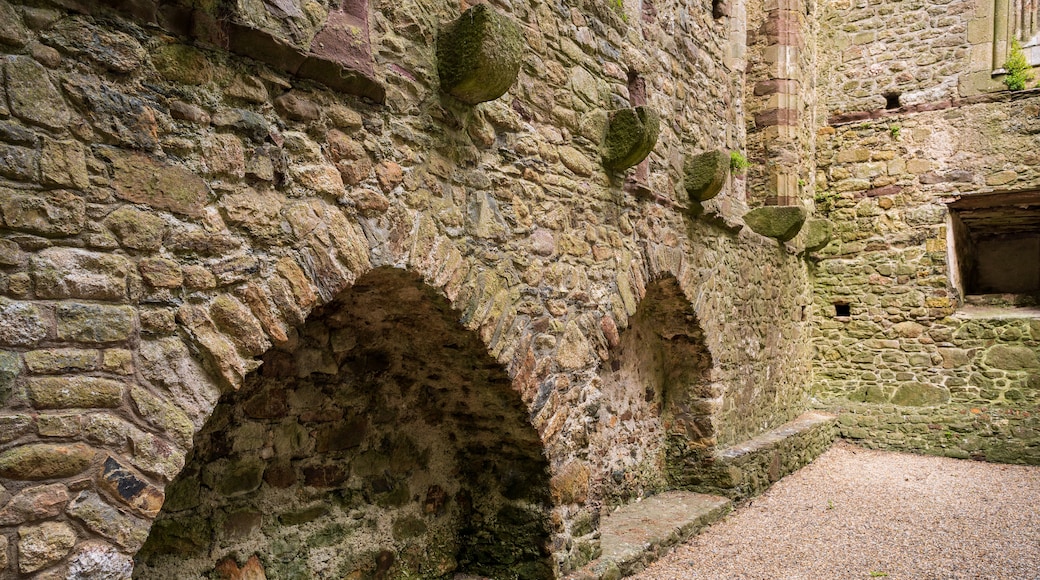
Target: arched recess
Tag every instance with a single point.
(659, 381)
(383, 443)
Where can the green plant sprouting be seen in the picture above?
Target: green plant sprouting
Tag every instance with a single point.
(738, 162)
(1018, 73)
(825, 201)
(894, 130)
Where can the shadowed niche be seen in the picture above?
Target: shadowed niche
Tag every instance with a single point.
(381, 442)
(662, 369)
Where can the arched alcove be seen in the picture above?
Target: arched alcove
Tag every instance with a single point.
(658, 380)
(382, 442)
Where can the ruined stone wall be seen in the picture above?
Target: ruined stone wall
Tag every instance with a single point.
(904, 54)
(173, 211)
(912, 366)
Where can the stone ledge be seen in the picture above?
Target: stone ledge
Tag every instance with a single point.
(749, 468)
(641, 532)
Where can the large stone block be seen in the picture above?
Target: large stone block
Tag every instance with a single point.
(140, 179)
(818, 234)
(1012, 358)
(631, 136)
(94, 323)
(705, 174)
(478, 55)
(24, 324)
(59, 213)
(45, 461)
(920, 395)
(75, 273)
(782, 222)
(43, 545)
(33, 97)
(128, 531)
(74, 392)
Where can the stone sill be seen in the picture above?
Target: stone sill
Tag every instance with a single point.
(980, 311)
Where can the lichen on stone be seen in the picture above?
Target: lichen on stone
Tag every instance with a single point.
(478, 55)
(631, 136)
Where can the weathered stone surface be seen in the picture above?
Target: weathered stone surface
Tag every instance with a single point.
(780, 222)
(168, 365)
(18, 163)
(1012, 358)
(64, 163)
(217, 347)
(161, 273)
(140, 179)
(24, 323)
(115, 51)
(235, 320)
(125, 530)
(60, 213)
(705, 174)
(630, 137)
(12, 31)
(45, 461)
(75, 273)
(43, 545)
(59, 360)
(252, 570)
(10, 368)
(32, 96)
(74, 392)
(919, 395)
(98, 561)
(136, 229)
(818, 234)
(479, 54)
(183, 64)
(125, 485)
(164, 415)
(94, 323)
(34, 503)
(234, 477)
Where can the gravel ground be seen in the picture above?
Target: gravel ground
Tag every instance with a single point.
(858, 513)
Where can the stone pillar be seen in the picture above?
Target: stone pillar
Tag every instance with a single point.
(777, 100)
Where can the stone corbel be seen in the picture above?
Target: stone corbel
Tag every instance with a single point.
(631, 135)
(782, 222)
(479, 54)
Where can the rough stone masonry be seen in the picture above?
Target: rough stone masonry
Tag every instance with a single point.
(315, 289)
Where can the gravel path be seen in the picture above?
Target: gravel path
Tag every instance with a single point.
(857, 513)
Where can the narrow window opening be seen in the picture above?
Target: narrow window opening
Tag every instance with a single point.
(891, 100)
(842, 309)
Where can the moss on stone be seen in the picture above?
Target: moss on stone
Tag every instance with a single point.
(478, 55)
(705, 174)
(920, 395)
(630, 137)
(817, 235)
(782, 222)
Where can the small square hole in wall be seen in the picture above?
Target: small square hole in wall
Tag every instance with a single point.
(841, 309)
(891, 100)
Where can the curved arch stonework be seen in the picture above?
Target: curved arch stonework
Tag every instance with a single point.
(175, 218)
(382, 441)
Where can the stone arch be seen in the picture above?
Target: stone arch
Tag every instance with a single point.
(659, 380)
(380, 440)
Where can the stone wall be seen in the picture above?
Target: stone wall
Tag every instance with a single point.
(912, 365)
(175, 217)
(892, 54)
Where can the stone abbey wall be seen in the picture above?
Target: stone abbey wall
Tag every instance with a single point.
(202, 253)
(914, 362)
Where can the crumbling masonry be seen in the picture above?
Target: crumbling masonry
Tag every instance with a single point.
(364, 289)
